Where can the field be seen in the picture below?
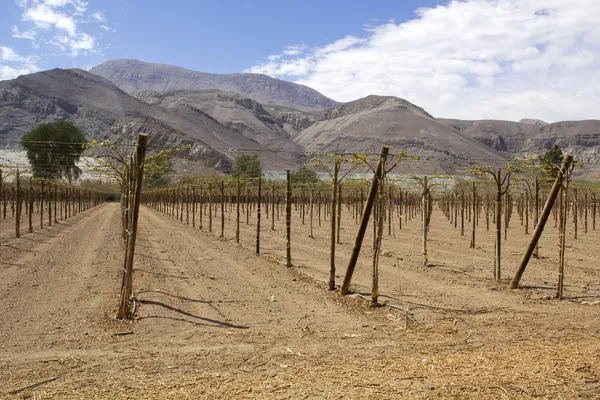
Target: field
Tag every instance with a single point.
(213, 320)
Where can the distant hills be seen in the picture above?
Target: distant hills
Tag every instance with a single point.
(218, 114)
(133, 76)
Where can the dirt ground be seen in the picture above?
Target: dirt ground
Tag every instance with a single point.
(213, 320)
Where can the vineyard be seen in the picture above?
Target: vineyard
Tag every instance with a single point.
(369, 284)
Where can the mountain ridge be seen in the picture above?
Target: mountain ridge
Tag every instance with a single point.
(133, 76)
(218, 122)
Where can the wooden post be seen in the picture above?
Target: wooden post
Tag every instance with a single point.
(474, 188)
(194, 206)
(498, 219)
(288, 218)
(237, 213)
(334, 192)
(311, 213)
(424, 212)
(41, 205)
(258, 212)
(537, 233)
(564, 203)
(339, 213)
(273, 208)
(126, 306)
(364, 222)
(462, 213)
(30, 207)
(379, 238)
(18, 206)
(222, 209)
(210, 201)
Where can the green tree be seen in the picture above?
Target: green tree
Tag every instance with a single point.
(552, 160)
(247, 167)
(304, 175)
(53, 150)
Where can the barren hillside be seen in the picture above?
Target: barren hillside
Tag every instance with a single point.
(133, 76)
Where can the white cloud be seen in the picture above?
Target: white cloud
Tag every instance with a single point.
(7, 72)
(107, 28)
(294, 50)
(505, 59)
(84, 43)
(45, 16)
(99, 16)
(8, 54)
(13, 64)
(57, 21)
(16, 33)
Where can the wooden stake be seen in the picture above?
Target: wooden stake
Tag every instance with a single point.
(537, 233)
(364, 222)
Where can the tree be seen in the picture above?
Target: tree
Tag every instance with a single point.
(552, 160)
(304, 175)
(53, 150)
(247, 167)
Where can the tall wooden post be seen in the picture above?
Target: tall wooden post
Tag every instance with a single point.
(364, 221)
(237, 213)
(18, 206)
(474, 189)
(222, 209)
(288, 218)
(334, 193)
(537, 233)
(258, 212)
(30, 206)
(41, 205)
(126, 306)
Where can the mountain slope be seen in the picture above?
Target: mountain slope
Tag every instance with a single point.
(238, 113)
(580, 138)
(103, 111)
(133, 76)
(362, 126)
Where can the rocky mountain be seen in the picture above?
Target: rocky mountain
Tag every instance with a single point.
(536, 122)
(221, 125)
(238, 113)
(134, 76)
(362, 126)
(104, 111)
(580, 138)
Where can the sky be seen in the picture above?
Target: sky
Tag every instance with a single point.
(468, 59)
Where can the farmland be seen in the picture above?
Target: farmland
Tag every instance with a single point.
(215, 320)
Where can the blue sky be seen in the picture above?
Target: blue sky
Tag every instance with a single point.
(220, 36)
(471, 59)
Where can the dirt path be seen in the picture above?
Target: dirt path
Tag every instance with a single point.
(216, 321)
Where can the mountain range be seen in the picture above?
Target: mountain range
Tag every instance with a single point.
(223, 116)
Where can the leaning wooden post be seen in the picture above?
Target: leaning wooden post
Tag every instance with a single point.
(125, 309)
(537, 233)
(288, 218)
(258, 212)
(364, 221)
